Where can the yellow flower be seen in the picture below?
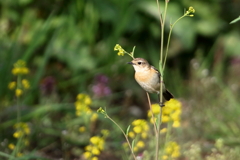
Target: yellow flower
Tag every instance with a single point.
(100, 110)
(95, 151)
(176, 124)
(153, 120)
(20, 68)
(27, 130)
(88, 148)
(172, 150)
(19, 154)
(94, 117)
(11, 146)
(131, 134)
(87, 155)
(82, 106)
(22, 129)
(145, 127)
(165, 118)
(94, 158)
(165, 157)
(172, 112)
(105, 132)
(12, 85)
(137, 122)
(137, 129)
(176, 115)
(164, 130)
(18, 134)
(95, 140)
(125, 145)
(140, 144)
(155, 110)
(135, 148)
(120, 50)
(82, 129)
(25, 84)
(191, 9)
(84, 98)
(176, 154)
(18, 92)
(144, 135)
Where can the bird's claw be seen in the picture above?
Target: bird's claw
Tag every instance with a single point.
(161, 104)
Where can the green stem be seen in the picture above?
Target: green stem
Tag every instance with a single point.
(161, 77)
(123, 134)
(18, 101)
(159, 12)
(169, 37)
(132, 53)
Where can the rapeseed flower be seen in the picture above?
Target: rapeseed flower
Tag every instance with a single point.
(20, 85)
(25, 84)
(139, 132)
(96, 146)
(172, 150)
(20, 68)
(82, 105)
(12, 85)
(82, 129)
(22, 129)
(18, 92)
(11, 146)
(120, 50)
(190, 12)
(171, 112)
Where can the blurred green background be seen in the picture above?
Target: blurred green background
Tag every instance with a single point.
(68, 47)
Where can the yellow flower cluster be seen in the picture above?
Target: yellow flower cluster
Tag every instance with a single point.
(171, 112)
(11, 146)
(82, 104)
(120, 50)
(22, 129)
(139, 132)
(19, 86)
(172, 150)
(24, 85)
(190, 12)
(20, 68)
(96, 146)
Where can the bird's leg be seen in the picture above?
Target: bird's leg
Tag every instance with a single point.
(161, 104)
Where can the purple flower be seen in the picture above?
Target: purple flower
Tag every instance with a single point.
(100, 87)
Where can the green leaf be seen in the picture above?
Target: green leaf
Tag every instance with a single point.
(133, 143)
(128, 129)
(235, 20)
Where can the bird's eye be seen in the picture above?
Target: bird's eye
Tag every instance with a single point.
(139, 63)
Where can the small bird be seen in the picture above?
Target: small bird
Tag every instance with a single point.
(148, 77)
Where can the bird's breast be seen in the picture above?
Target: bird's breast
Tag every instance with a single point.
(149, 81)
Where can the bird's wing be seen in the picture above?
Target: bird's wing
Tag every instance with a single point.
(156, 71)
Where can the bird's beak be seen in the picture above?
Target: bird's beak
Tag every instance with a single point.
(130, 63)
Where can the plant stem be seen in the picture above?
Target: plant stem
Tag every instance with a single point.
(123, 134)
(153, 118)
(18, 105)
(169, 37)
(162, 21)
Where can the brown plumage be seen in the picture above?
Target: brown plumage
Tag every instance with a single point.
(148, 77)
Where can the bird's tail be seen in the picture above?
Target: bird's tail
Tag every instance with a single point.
(167, 95)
